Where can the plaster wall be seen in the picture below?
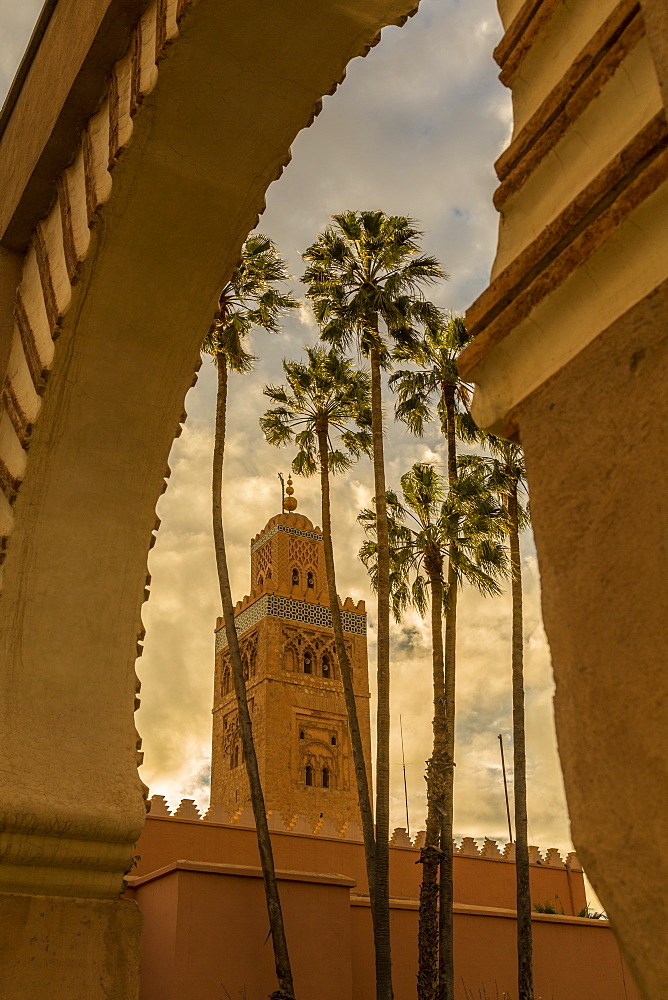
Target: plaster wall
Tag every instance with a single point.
(41, 954)
(478, 880)
(574, 959)
(213, 919)
(598, 491)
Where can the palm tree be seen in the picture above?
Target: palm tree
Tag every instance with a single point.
(325, 395)
(432, 525)
(248, 299)
(436, 382)
(506, 477)
(365, 276)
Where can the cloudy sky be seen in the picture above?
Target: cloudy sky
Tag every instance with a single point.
(414, 130)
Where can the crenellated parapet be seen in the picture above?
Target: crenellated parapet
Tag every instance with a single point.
(326, 827)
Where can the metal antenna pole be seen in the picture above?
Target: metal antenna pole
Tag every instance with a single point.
(505, 788)
(403, 762)
(280, 476)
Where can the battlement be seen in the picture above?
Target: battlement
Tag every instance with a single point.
(324, 827)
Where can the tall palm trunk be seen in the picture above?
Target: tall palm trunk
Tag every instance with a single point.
(446, 920)
(382, 872)
(431, 854)
(361, 776)
(285, 989)
(524, 935)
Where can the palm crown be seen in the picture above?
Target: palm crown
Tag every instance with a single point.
(504, 474)
(327, 393)
(367, 267)
(249, 299)
(419, 389)
(435, 522)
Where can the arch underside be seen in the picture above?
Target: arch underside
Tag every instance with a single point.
(193, 145)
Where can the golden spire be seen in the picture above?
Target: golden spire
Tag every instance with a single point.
(289, 504)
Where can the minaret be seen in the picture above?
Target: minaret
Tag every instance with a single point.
(293, 681)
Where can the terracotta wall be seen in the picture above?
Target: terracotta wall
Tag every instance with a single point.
(479, 881)
(206, 932)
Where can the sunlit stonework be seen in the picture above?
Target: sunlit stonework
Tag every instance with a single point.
(293, 681)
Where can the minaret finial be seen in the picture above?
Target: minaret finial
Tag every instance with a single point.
(280, 476)
(290, 503)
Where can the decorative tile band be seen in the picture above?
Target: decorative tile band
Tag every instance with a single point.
(299, 611)
(290, 531)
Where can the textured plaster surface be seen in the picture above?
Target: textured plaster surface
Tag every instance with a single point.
(594, 437)
(655, 13)
(69, 949)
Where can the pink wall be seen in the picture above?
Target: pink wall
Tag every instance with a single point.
(478, 880)
(574, 958)
(205, 932)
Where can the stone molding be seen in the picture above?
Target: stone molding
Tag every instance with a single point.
(582, 194)
(61, 241)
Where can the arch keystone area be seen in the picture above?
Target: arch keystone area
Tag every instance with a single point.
(138, 143)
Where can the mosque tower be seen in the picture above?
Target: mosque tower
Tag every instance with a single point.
(293, 681)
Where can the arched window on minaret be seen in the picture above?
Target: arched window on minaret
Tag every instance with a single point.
(326, 669)
(309, 774)
(260, 580)
(310, 580)
(227, 680)
(333, 741)
(325, 777)
(308, 663)
(295, 577)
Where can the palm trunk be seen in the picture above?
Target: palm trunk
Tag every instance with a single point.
(361, 777)
(382, 871)
(431, 854)
(285, 989)
(446, 951)
(524, 935)
(446, 921)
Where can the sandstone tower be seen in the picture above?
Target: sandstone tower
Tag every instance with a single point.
(293, 682)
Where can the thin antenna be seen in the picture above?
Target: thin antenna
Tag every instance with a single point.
(280, 476)
(403, 763)
(505, 788)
